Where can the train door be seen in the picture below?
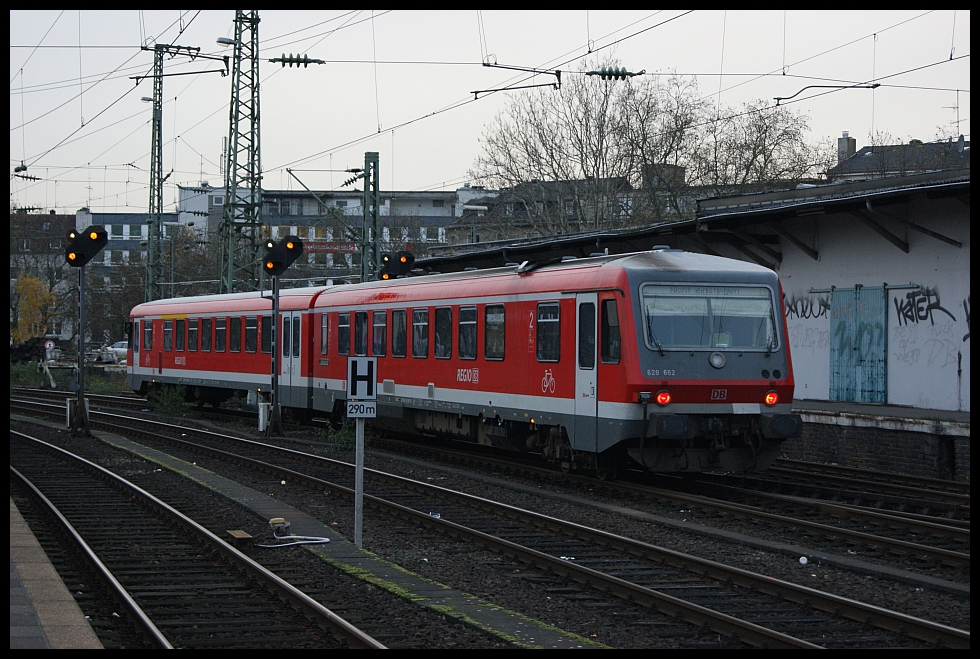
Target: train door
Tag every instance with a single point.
(586, 383)
(290, 382)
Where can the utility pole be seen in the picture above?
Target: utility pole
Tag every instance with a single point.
(241, 225)
(370, 238)
(154, 287)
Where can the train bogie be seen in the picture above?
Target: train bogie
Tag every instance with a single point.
(676, 361)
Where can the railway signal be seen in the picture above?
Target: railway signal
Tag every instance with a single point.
(396, 266)
(281, 255)
(83, 245)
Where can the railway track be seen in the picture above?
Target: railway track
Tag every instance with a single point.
(758, 609)
(184, 586)
(876, 533)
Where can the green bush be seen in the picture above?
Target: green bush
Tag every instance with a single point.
(344, 439)
(168, 399)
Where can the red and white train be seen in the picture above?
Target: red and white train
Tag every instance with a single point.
(674, 360)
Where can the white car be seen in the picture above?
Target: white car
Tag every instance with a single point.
(116, 353)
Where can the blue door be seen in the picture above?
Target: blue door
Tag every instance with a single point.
(858, 342)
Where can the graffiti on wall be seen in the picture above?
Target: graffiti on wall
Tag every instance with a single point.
(805, 307)
(918, 305)
(933, 343)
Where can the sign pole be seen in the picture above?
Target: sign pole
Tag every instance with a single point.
(362, 395)
(359, 485)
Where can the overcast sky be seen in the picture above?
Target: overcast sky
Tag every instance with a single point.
(401, 82)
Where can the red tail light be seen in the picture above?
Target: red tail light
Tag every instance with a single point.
(771, 398)
(663, 397)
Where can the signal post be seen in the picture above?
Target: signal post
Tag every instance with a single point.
(82, 246)
(278, 257)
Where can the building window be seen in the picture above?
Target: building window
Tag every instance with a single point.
(341, 203)
(438, 203)
(116, 230)
(422, 234)
(285, 208)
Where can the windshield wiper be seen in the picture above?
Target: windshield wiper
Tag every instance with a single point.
(771, 341)
(656, 342)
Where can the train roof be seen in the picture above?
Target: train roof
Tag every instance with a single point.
(554, 275)
(557, 275)
(289, 299)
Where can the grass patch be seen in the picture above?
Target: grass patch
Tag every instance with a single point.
(97, 380)
(344, 439)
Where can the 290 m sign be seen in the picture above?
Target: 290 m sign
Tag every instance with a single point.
(358, 409)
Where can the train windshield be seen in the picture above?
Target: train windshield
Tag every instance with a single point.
(692, 317)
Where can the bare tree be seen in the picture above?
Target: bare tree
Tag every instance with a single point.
(755, 146)
(599, 154)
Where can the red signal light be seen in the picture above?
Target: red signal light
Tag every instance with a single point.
(663, 397)
(771, 398)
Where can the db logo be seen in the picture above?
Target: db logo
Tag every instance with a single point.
(719, 394)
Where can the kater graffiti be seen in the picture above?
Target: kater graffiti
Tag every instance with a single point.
(918, 305)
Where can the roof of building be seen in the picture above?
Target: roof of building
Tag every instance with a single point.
(903, 159)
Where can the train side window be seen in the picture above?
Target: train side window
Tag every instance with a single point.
(398, 333)
(134, 335)
(493, 332)
(205, 335)
(297, 327)
(420, 333)
(360, 333)
(467, 332)
(586, 336)
(192, 334)
(343, 333)
(148, 335)
(220, 334)
(235, 334)
(251, 333)
(168, 335)
(267, 334)
(285, 336)
(324, 333)
(549, 332)
(379, 338)
(444, 333)
(179, 335)
(610, 332)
